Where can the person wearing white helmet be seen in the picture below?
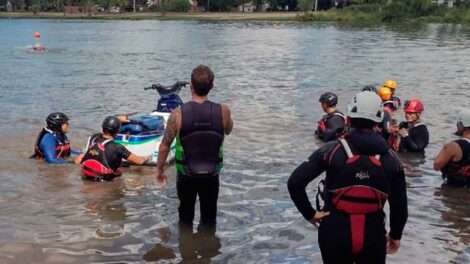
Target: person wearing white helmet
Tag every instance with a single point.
(362, 173)
(454, 158)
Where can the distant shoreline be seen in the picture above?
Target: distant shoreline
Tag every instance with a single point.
(216, 16)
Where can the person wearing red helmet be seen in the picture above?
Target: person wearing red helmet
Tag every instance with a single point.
(38, 47)
(454, 158)
(413, 136)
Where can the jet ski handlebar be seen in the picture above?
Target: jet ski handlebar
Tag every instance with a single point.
(162, 90)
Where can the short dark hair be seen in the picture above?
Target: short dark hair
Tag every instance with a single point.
(361, 123)
(202, 79)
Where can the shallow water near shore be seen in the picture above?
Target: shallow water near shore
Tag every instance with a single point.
(271, 75)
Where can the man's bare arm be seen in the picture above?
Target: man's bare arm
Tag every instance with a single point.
(168, 137)
(227, 119)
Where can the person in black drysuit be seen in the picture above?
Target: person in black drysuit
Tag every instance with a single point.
(339, 242)
(331, 125)
(414, 135)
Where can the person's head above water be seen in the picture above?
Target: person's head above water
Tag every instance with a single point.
(111, 125)
(329, 99)
(463, 121)
(57, 122)
(391, 84)
(37, 35)
(202, 80)
(385, 93)
(365, 110)
(369, 88)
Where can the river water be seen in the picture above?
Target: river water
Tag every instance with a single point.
(271, 75)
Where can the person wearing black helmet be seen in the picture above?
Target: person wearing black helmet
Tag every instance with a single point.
(369, 88)
(103, 158)
(332, 125)
(52, 143)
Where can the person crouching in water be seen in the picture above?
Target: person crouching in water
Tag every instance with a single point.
(52, 143)
(332, 125)
(454, 158)
(38, 47)
(412, 136)
(362, 173)
(103, 158)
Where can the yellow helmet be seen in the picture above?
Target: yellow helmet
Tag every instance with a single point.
(384, 93)
(390, 84)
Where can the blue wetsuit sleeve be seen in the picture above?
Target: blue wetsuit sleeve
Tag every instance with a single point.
(48, 145)
(302, 176)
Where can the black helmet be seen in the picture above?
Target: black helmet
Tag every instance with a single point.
(55, 121)
(111, 125)
(328, 98)
(369, 88)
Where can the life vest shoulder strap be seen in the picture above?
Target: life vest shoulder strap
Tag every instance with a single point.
(349, 152)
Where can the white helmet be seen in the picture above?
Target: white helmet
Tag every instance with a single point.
(367, 105)
(464, 117)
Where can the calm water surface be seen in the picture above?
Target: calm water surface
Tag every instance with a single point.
(271, 75)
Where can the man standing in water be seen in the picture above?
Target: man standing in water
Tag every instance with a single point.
(362, 173)
(454, 158)
(199, 127)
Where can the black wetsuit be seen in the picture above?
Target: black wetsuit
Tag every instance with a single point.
(385, 124)
(335, 232)
(453, 170)
(417, 139)
(331, 126)
(200, 140)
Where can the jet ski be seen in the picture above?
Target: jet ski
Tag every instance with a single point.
(144, 132)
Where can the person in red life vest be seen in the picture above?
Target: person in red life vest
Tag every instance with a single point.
(454, 158)
(52, 143)
(412, 136)
(103, 158)
(200, 127)
(332, 125)
(362, 173)
(392, 85)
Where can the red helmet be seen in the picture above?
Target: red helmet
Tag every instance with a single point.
(413, 106)
(37, 35)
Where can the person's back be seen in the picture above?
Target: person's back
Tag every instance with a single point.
(200, 139)
(362, 173)
(199, 127)
(454, 158)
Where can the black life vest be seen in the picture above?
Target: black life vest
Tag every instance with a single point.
(94, 163)
(360, 189)
(322, 124)
(200, 139)
(459, 171)
(62, 149)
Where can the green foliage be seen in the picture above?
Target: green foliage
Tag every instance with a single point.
(305, 5)
(179, 6)
(35, 8)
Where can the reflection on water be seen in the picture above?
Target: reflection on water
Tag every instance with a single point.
(272, 77)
